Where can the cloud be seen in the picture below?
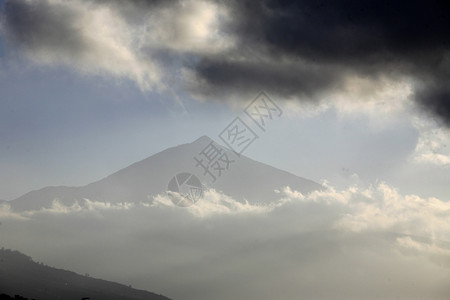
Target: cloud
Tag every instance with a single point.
(351, 243)
(306, 51)
(189, 27)
(358, 209)
(214, 203)
(7, 213)
(90, 38)
(434, 94)
(433, 144)
(385, 209)
(433, 251)
(111, 39)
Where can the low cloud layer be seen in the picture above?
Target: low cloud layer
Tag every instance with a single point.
(330, 244)
(302, 50)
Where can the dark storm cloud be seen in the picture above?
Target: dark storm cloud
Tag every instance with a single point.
(369, 38)
(41, 24)
(346, 30)
(436, 99)
(279, 78)
(296, 49)
(131, 9)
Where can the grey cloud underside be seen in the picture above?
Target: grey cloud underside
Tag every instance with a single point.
(436, 99)
(366, 37)
(280, 78)
(298, 49)
(43, 25)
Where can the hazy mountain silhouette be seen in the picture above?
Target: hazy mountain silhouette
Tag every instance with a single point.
(245, 180)
(20, 275)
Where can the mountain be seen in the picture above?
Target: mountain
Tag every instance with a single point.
(20, 275)
(244, 180)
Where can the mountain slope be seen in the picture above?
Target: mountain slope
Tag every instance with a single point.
(19, 274)
(245, 180)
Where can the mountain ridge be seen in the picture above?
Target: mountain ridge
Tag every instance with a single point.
(21, 275)
(245, 180)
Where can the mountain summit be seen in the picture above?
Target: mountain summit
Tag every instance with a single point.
(237, 176)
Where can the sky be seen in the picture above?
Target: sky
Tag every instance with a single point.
(88, 87)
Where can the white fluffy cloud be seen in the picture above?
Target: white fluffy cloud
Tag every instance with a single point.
(187, 26)
(359, 241)
(107, 39)
(384, 208)
(357, 209)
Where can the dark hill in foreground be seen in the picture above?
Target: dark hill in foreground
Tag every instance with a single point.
(20, 275)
